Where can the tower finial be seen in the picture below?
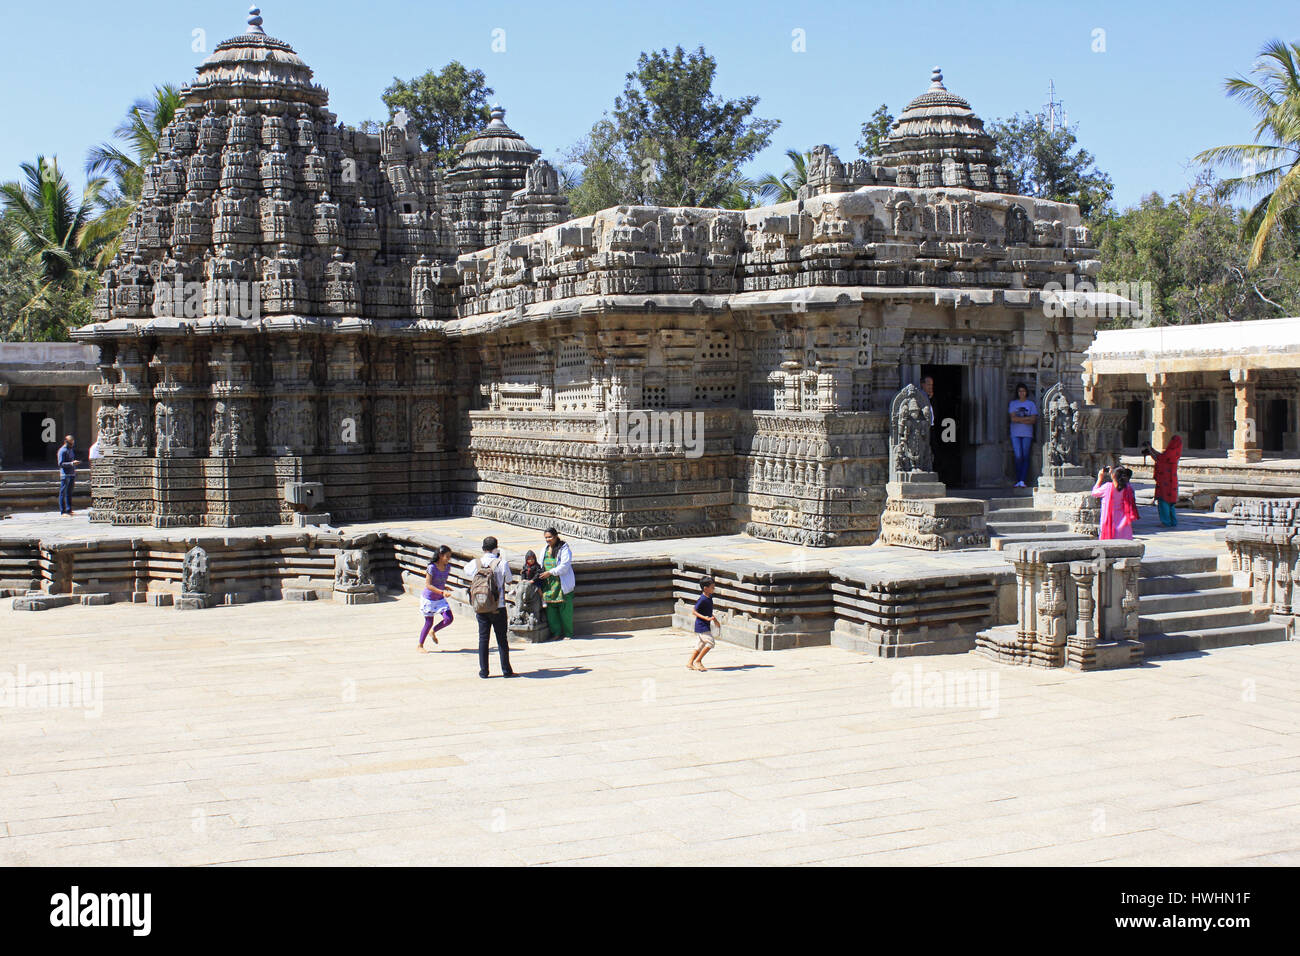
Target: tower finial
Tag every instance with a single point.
(255, 20)
(936, 78)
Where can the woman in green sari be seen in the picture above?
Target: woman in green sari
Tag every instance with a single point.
(557, 585)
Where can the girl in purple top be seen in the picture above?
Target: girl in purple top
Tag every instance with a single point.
(433, 602)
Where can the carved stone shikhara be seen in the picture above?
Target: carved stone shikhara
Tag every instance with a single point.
(299, 303)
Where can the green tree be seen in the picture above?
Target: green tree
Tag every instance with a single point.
(1191, 249)
(123, 162)
(784, 188)
(1049, 164)
(684, 144)
(874, 132)
(598, 172)
(445, 108)
(45, 284)
(1271, 164)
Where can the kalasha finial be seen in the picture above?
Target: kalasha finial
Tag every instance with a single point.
(936, 78)
(497, 112)
(254, 20)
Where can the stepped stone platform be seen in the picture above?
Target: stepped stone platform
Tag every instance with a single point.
(877, 600)
(37, 489)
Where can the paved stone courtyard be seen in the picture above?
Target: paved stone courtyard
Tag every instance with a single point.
(314, 733)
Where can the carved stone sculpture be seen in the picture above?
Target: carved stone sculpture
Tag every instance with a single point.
(353, 583)
(909, 432)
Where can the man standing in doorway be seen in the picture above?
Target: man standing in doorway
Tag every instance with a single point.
(67, 475)
(488, 576)
(938, 450)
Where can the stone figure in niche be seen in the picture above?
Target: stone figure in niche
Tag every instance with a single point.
(1018, 226)
(1062, 445)
(194, 572)
(909, 432)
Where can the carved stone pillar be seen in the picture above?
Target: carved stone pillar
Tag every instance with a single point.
(1085, 628)
(1245, 436)
(1162, 409)
(4, 390)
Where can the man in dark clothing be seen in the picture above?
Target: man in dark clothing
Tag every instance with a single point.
(492, 621)
(67, 475)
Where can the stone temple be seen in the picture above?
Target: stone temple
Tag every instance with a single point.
(300, 303)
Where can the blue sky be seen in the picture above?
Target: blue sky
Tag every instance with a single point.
(1144, 106)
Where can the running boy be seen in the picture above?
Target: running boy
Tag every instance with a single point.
(704, 620)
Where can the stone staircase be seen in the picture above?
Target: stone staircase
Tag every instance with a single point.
(1013, 517)
(38, 490)
(1187, 604)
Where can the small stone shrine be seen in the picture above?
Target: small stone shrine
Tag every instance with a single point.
(1076, 606)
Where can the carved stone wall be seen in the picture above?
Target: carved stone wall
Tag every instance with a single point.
(1263, 539)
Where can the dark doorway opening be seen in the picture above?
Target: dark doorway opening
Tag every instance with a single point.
(948, 436)
(1200, 420)
(35, 450)
(1274, 425)
(1133, 423)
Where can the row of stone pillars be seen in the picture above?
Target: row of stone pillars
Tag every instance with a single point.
(1245, 417)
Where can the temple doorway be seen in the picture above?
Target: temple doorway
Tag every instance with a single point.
(1133, 423)
(949, 422)
(35, 450)
(1201, 415)
(1273, 425)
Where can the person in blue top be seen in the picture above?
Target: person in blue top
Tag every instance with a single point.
(704, 621)
(1024, 415)
(67, 474)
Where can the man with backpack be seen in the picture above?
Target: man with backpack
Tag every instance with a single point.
(488, 577)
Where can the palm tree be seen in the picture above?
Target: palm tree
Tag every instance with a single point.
(772, 189)
(1272, 162)
(138, 135)
(741, 193)
(43, 223)
(47, 281)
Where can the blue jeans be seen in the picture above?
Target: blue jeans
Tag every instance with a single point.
(1020, 445)
(65, 493)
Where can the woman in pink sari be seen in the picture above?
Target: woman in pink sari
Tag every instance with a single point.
(1118, 504)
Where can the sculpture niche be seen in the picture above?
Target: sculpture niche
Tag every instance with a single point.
(918, 511)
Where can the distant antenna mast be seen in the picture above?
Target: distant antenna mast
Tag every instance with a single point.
(1054, 109)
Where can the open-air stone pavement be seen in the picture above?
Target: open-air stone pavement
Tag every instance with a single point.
(288, 732)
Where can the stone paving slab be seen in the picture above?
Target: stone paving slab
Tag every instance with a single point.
(315, 734)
